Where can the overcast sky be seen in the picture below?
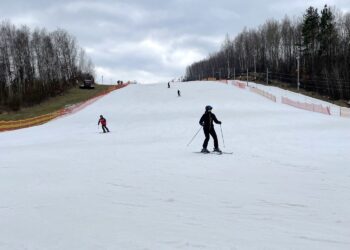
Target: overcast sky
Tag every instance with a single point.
(151, 40)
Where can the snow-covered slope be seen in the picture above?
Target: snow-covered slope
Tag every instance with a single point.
(64, 185)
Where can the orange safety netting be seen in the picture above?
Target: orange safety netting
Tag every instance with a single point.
(307, 106)
(345, 112)
(263, 93)
(238, 84)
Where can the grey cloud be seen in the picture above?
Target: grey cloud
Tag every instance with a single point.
(151, 38)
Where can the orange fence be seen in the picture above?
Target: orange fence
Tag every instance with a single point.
(263, 93)
(307, 106)
(345, 112)
(18, 124)
(238, 84)
(10, 125)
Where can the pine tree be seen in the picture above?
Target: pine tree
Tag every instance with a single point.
(327, 33)
(310, 34)
(310, 30)
(328, 41)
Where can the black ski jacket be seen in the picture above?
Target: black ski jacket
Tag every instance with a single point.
(207, 120)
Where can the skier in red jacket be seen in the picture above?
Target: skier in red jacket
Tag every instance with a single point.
(103, 122)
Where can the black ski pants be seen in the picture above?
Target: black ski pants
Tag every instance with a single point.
(207, 133)
(104, 127)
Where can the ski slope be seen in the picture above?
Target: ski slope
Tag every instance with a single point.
(66, 185)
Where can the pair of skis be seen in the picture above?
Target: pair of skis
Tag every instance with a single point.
(215, 152)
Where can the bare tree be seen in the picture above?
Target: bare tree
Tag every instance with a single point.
(36, 65)
(319, 40)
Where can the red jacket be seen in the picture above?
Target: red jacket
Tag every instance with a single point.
(102, 121)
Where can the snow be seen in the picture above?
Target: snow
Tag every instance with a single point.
(66, 185)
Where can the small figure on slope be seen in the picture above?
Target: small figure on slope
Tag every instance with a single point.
(178, 93)
(103, 122)
(208, 127)
(168, 85)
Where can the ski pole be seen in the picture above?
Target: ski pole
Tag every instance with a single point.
(194, 136)
(222, 135)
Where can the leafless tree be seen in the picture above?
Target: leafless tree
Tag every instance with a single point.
(36, 65)
(319, 39)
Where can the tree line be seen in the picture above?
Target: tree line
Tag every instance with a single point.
(35, 65)
(319, 42)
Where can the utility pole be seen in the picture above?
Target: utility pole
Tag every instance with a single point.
(299, 45)
(254, 65)
(247, 76)
(234, 73)
(102, 79)
(298, 83)
(228, 69)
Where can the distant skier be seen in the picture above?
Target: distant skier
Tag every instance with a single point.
(103, 122)
(168, 85)
(208, 127)
(178, 93)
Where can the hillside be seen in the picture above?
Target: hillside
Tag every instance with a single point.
(65, 185)
(70, 97)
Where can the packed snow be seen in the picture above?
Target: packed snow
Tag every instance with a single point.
(66, 185)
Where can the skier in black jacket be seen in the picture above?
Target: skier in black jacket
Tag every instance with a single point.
(207, 122)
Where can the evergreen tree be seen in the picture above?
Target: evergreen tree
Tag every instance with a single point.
(310, 30)
(328, 32)
(310, 34)
(328, 40)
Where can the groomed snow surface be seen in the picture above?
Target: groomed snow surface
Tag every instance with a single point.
(66, 185)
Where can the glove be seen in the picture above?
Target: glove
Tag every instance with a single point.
(220, 122)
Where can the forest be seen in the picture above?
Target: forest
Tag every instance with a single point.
(35, 65)
(312, 51)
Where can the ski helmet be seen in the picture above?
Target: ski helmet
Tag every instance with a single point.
(208, 107)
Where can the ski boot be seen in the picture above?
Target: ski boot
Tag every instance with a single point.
(205, 151)
(217, 150)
